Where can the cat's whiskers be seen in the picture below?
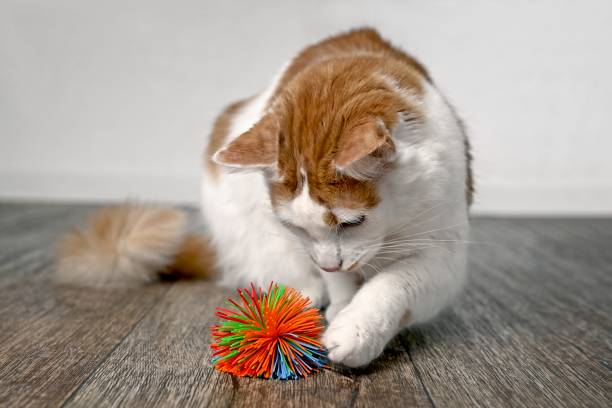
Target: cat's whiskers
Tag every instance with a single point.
(414, 221)
(376, 243)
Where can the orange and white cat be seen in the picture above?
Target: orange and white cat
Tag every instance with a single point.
(348, 178)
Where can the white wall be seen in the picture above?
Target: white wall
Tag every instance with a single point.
(108, 99)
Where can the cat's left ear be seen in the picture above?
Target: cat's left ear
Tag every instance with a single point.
(255, 148)
(364, 150)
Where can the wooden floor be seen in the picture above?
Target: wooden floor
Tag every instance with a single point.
(534, 328)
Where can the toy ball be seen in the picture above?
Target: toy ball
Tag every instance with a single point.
(273, 334)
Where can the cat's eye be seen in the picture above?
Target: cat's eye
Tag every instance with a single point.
(357, 221)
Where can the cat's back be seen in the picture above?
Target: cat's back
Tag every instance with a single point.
(354, 43)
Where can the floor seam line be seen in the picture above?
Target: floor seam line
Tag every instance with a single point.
(417, 371)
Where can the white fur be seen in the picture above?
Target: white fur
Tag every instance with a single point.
(406, 282)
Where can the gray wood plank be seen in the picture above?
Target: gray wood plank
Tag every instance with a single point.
(165, 361)
(324, 389)
(523, 334)
(59, 337)
(52, 337)
(32, 234)
(392, 380)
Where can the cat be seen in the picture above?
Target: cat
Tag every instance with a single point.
(348, 178)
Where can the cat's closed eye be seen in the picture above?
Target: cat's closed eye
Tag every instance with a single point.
(357, 221)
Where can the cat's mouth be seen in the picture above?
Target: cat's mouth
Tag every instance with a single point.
(363, 258)
(353, 266)
(357, 262)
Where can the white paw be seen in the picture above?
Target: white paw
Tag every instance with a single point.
(333, 310)
(351, 341)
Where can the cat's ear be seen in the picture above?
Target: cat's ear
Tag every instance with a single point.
(255, 148)
(364, 150)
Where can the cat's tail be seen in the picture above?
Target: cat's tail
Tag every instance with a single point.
(130, 245)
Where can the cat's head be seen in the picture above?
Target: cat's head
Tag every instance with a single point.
(324, 149)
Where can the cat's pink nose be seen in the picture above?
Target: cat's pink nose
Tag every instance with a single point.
(331, 266)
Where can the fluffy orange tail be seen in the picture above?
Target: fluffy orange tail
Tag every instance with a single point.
(130, 245)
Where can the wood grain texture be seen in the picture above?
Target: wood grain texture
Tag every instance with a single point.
(533, 328)
(51, 338)
(165, 359)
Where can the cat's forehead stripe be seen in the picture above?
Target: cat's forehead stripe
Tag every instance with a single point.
(303, 210)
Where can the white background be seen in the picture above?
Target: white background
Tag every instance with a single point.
(102, 100)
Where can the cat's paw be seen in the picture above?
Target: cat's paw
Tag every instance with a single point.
(352, 342)
(333, 309)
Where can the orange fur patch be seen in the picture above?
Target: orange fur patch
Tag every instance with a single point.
(330, 219)
(195, 259)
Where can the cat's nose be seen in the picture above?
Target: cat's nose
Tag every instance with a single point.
(326, 256)
(333, 266)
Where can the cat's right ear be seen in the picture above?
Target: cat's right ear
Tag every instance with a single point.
(364, 150)
(257, 148)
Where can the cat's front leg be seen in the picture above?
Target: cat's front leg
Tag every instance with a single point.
(407, 291)
(341, 287)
